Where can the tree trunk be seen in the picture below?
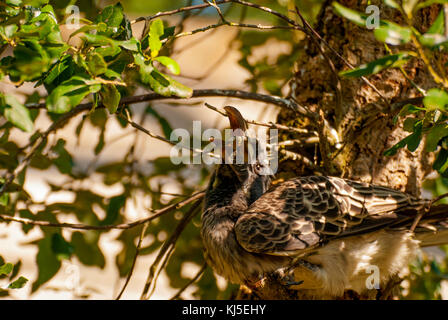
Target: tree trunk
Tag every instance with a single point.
(359, 115)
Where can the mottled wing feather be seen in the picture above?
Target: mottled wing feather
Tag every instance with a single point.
(302, 213)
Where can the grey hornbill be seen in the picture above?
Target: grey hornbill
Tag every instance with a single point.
(326, 232)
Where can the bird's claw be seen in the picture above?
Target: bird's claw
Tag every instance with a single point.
(305, 264)
(292, 283)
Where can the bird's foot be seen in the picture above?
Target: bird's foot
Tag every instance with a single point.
(285, 277)
(255, 284)
(289, 283)
(304, 264)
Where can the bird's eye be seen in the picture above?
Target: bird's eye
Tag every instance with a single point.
(258, 167)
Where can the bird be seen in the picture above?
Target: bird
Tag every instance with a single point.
(320, 234)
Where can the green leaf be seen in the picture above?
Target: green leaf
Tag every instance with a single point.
(145, 68)
(61, 248)
(16, 113)
(428, 3)
(68, 95)
(63, 161)
(14, 2)
(439, 23)
(435, 36)
(409, 124)
(113, 209)
(12, 187)
(387, 32)
(407, 109)
(412, 141)
(438, 132)
(432, 40)
(16, 270)
(87, 250)
(6, 268)
(18, 284)
(392, 4)
(96, 64)
(4, 199)
(62, 71)
(160, 83)
(131, 45)
(391, 61)
(100, 27)
(392, 33)
(8, 31)
(98, 40)
(172, 65)
(30, 60)
(168, 32)
(408, 6)
(112, 15)
(436, 99)
(47, 262)
(352, 15)
(101, 143)
(156, 30)
(441, 162)
(110, 97)
(166, 86)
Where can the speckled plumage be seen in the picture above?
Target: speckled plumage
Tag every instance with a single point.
(338, 227)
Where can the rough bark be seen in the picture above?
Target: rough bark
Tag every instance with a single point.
(362, 119)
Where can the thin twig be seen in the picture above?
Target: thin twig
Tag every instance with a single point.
(189, 283)
(445, 195)
(222, 58)
(137, 251)
(172, 12)
(299, 157)
(269, 10)
(323, 145)
(231, 24)
(79, 226)
(156, 136)
(258, 123)
(164, 252)
(426, 209)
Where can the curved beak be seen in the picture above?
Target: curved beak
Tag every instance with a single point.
(236, 119)
(240, 127)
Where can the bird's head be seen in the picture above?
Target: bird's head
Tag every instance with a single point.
(244, 178)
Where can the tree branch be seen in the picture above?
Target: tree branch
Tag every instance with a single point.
(137, 251)
(165, 252)
(79, 226)
(189, 283)
(216, 3)
(199, 93)
(172, 12)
